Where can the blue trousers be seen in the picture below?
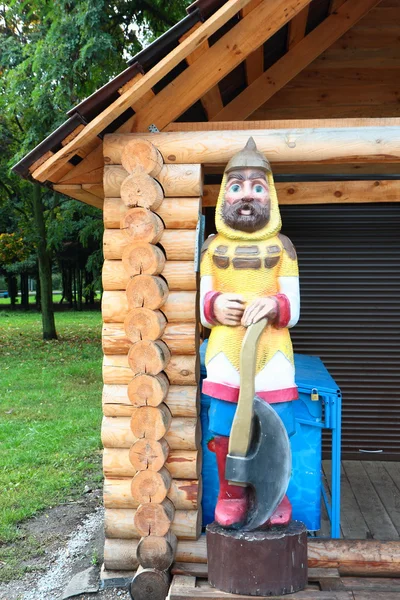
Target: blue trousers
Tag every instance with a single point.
(222, 413)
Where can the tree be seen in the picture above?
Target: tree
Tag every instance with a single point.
(53, 55)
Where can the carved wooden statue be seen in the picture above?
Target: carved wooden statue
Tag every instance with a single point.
(249, 297)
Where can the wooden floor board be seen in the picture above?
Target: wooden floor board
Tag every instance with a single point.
(327, 476)
(379, 523)
(386, 490)
(393, 468)
(353, 524)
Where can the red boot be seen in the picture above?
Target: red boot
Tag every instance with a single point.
(282, 514)
(232, 502)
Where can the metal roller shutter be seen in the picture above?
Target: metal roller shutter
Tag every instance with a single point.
(349, 259)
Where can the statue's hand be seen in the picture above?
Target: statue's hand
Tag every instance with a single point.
(228, 309)
(259, 309)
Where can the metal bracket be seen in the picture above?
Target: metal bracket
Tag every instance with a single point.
(153, 129)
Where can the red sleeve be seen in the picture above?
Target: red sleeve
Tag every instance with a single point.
(208, 307)
(283, 317)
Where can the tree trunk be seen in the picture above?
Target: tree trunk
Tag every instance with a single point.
(12, 288)
(46, 291)
(24, 291)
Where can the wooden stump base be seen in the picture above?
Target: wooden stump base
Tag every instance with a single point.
(258, 563)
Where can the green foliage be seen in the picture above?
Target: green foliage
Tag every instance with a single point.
(12, 248)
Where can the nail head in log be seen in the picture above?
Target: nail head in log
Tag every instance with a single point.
(154, 519)
(142, 257)
(141, 153)
(183, 433)
(179, 306)
(149, 584)
(149, 455)
(146, 291)
(157, 551)
(176, 213)
(152, 486)
(182, 370)
(142, 225)
(148, 390)
(144, 324)
(151, 422)
(139, 189)
(148, 356)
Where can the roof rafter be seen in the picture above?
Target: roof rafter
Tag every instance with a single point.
(295, 60)
(211, 101)
(255, 60)
(130, 96)
(228, 52)
(297, 28)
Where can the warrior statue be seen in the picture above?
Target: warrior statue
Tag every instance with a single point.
(249, 272)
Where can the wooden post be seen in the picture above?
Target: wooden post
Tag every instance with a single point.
(150, 429)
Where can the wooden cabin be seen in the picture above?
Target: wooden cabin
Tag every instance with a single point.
(317, 85)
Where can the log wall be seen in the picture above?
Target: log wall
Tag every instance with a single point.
(150, 430)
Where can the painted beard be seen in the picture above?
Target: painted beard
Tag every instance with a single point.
(246, 215)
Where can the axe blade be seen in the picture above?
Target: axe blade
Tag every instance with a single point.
(266, 467)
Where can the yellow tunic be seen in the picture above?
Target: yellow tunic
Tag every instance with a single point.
(251, 269)
(248, 264)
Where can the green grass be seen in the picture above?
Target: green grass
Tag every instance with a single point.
(32, 299)
(50, 413)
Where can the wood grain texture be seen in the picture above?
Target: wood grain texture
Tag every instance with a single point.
(178, 244)
(122, 523)
(183, 433)
(180, 275)
(151, 455)
(142, 153)
(323, 145)
(151, 422)
(174, 180)
(139, 224)
(151, 486)
(176, 213)
(179, 337)
(179, 306)
(149, 390)
(295, 60)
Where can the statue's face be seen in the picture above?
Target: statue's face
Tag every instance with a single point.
(247, 200)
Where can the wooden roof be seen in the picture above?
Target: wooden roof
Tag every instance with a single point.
(232, 61)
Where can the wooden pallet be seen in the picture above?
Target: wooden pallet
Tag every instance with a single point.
(323, 584)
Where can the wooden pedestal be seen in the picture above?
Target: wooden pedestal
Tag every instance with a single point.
(258, 563)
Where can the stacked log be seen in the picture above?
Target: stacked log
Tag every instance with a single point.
(150, 431)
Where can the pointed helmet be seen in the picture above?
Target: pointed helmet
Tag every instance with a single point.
(248, 158)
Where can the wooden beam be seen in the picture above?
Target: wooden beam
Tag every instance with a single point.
(297, 28)
(226, 54)
(326, 192)
(255, 60)
(284, 124)
(211, 101)
(335, 5)
(294, 61)
(143, 100)
(143, 85)
(78, 193)
(318, 146)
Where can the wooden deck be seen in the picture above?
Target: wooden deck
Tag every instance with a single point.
(370, 500)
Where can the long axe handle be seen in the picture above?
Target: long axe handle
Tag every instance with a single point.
(240, 438)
